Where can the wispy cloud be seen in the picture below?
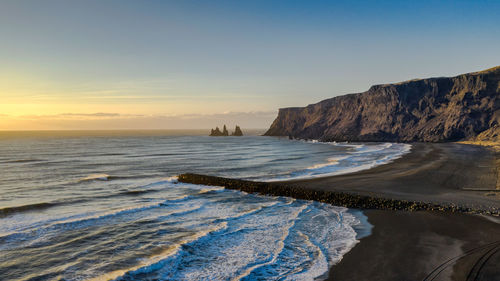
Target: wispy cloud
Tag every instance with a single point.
(98, 114)
(224, 115)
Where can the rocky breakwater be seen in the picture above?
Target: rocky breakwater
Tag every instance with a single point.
(348, 200)
(430, 110)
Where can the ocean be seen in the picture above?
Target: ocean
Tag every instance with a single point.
(101, 205)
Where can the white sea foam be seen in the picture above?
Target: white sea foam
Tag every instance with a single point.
(43, 230)
(277, 250)
(362, 158)
(252, 243)
(157, 261)
(171, 179)
(100, 177)
(331, 161)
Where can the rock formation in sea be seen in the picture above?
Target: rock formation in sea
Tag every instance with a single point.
(218, 133)
(237, 132)
(430, 110)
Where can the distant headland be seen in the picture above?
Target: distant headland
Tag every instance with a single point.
(465, 107)
(217, 133)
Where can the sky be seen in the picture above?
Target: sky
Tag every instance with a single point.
(121, 64)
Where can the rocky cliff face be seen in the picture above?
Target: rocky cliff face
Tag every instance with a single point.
(430, 110)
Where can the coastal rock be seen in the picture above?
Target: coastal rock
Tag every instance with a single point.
(237, 132)
(218, 133)
(225, 132)
(429, 110)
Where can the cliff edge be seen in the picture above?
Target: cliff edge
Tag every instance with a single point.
(430, 110)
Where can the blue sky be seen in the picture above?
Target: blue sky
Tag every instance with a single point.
(207, 58)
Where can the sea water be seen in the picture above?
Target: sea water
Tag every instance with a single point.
(107, 206)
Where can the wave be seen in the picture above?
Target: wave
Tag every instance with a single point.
(36, 231)
(278, 250)
(171, 179)
(319, 259)
(372, 148)
(332, 167)
(313, 265)
(163, 258)
(106, 177)
(210, 189)
(346, 144)
(331, 161)
(151, 155)
(157, 261)
(25, 208)
(94, 177)
(8, 211)
(23, 161)
(291, 158)
(247, 212)
(167, 263)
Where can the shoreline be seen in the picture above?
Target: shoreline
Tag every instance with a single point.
(455, 179)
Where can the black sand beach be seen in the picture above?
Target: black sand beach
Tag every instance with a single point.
(421, 245)
(428, 245)
(424, 246)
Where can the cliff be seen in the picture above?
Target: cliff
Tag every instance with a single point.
(430, 110)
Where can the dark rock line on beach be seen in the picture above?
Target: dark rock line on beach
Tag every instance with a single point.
(331, 197)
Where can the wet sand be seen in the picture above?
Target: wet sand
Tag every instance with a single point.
(423, 245)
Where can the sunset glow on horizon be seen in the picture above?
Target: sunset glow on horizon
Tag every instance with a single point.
(156, 64)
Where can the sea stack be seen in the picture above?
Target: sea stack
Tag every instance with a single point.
(218, 133)
(237, 132)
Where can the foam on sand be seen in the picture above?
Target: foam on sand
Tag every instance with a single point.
(362, 157)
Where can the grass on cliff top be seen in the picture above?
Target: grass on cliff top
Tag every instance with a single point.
(493, 144)
(487, 70)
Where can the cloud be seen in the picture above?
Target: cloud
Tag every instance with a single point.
(225, 115)
(97, 115)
